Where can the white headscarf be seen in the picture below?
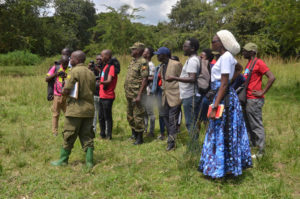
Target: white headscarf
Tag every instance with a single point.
(229, 41)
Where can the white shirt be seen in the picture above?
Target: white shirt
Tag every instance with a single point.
(151, 73)
(225, 65)
(151, 68)
(191, 65)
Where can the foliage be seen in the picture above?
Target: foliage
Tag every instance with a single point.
(73, 19)
(25, 25)
(114, 30)
(19, 58)
(20, 26)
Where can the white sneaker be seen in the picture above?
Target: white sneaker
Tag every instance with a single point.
(254, 156)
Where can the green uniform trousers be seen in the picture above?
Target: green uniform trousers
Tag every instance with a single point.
(81, 127)
(135, 115)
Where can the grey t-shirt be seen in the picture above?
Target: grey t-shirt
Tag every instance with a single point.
(191, 65)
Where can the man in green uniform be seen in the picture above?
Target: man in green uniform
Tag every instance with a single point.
(80, 110)
(135, 86)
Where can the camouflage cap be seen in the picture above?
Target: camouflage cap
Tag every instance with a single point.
(137, 45)
(250, 47)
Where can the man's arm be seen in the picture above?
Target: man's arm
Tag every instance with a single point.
(51, 74)
(145, 74)
(190, 79)
(108, 81)
(70, 82)
(271, 79)
(143, 86)
(237, 71)
(192, 74)
(51, 77)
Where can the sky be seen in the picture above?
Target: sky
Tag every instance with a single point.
(154, 10)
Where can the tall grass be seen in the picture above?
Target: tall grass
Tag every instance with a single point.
(125, 171)
(19, 58)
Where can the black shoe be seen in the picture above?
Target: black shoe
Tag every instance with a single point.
(161, 137)
(171, 146)
(150, 135)
(139, 139)
(102, 135)
(134, 135)
(109, 137)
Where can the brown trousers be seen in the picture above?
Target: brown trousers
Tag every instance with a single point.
(59, 104)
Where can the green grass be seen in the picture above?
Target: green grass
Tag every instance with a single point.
(125, 171)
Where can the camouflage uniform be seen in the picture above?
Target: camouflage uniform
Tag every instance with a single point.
(137, 70)
(80, 111)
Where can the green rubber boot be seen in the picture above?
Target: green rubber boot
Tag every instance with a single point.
(64, 157)
(89, 157)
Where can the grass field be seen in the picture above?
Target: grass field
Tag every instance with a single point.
(123, 170)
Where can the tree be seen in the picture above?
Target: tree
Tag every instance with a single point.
(114, 30)
(73, 19)
(20, 25)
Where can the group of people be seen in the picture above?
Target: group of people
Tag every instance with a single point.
(230, 132)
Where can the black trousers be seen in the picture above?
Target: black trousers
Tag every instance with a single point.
(171, 116)
(105, 117)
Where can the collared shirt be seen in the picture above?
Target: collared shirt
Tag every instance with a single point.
(59, 81)
(83, 106)
(137, 70)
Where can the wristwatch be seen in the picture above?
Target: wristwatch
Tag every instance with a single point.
(213, 106)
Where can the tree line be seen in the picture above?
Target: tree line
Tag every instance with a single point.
(26, 25)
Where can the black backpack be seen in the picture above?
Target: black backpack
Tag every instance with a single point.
(50, 88)
(115, 62)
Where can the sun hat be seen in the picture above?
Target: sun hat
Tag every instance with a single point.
(137, 45)
(229, 42)
(250, 47)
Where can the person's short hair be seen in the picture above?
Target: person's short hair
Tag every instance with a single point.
(194, 43)
(151, 50)
(209, 54)
(176, 58)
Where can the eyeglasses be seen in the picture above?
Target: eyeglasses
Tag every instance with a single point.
(215, 41)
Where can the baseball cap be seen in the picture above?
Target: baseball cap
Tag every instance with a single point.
(250, 47)
(137, 45)
(163, 51)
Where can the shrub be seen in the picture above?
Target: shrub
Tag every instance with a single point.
(18, 58)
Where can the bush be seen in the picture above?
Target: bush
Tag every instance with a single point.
(19, 58)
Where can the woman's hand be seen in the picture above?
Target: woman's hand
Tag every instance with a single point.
(212, 114)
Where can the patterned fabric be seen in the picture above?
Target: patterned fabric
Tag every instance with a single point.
(226, 152)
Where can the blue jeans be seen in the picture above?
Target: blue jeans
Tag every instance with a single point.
(204, 109)
(159, 104)
(97, 107)
(191, 108)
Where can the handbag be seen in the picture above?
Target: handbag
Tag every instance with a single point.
(242, 90)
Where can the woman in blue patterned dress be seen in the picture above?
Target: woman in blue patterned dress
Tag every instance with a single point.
(226, 147)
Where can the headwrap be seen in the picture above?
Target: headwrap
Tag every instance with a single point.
(229, 42)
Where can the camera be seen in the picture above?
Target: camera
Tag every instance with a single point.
(62, 74)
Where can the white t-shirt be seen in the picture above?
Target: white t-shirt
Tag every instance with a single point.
(225, 65)
(191, 66)
(151, 68)
(151, 73)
